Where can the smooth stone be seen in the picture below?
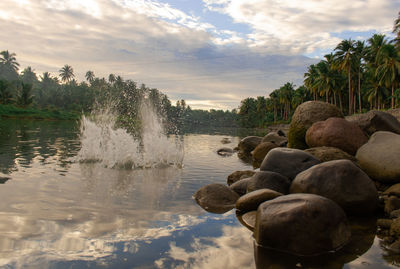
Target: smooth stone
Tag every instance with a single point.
(380, 158)
(393, 190)
(394, 247)
(261, 151)
(4, 179)
(391, 204)
(249, 143)
(240, 187)
(249, 219)
(304, 116)
(374, 121)
(326, 154)
(225, 152)
(395, 228)
(395, 214)
(225, 140)
(302, 224)
(384, 223)
(216, 198)
(278, 138)
(341, 181)
(338, 133)
(238, 175)
(251, 200)
(288, 162)
(268, 180)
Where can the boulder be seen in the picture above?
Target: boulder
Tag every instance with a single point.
(240, 187)
(302, 224)
(225, 152)
(393, 190)
(304, 116)
(277, 138)
(238, 175)
(216, 198)
(248, 219)
(252, 200)
(342, 182)
(374, 121)
(288, 162)
(249, 143)
(268, 180)
(225, 140)
(338, 133)
(326, 154)
(392, 203)
(261, 151)
(380, 158)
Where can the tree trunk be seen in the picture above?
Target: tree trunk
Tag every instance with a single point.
(359, 91)
(350, 92)
(334, 98)
(392, 96)
(340, 101)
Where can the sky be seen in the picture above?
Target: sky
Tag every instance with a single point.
(212, 53)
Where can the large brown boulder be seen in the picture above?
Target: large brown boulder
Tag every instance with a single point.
(288, 162)
(342, 182)
(252, 200)
(380, 157)
(249, 143)
(216, 198)
(261, 151)
(304, 116)
(338, 133)
(302, 224)
(268, 180)
(374, 121)
(326, 154)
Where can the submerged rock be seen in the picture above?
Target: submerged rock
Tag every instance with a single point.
(304, 116)
(225, 140)
(288, 162)
(225, 152)
(341, 181)
(302, 224)
(268, 180)
(216, 198)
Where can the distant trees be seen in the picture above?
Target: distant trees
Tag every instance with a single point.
(66, 73)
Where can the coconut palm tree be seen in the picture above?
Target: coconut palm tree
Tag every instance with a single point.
(309, 80)
(9, 60)
(89, 76)
(345, 60)
(396, 30)
(66, 73)
(359, 54)
(111, 78)
(388, 71)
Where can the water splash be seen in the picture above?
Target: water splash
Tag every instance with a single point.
(114, 147)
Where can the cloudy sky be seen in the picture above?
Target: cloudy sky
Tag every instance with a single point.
(212, 53)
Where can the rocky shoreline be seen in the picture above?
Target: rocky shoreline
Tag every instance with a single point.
(312, 183)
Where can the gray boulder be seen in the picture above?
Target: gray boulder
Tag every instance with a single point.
(252, 200)
(342, 182)
(268, 180)
(380, 157)
(216, 198)
(247, 144)
(374, 121)
(304, 116)
(278, 138)
(288, 162)
(302, 224)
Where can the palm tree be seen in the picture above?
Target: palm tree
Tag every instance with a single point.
(388, 71)
(345, 60)
(89, 76)
(66, 73)
(111, 78)
(396, 30)
(9, 60)
(309, 80)
(24, 97)
(5, 95)
(29, 75)
(359, 53)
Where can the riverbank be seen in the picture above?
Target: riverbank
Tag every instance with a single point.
(11, 111)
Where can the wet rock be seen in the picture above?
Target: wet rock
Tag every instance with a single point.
(341, 181)
(288, 162)
(278, 138)
(261, 151)
(225, 140)
(384, 223)
(393, 190)
(394, 247)
(338, 133)
(379, 158)
(302, 224)
(268, 180)
(247, 144)
(251, 200)
(225, 152)
(391, 203)
(216, 198)
(240, 187)
(326, 154)
(395, 214)
(395, 228)
(4, 179)
(238, 175)
(374, 121)
(248, 219)
(304, 116)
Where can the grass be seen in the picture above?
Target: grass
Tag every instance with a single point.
(12, 111)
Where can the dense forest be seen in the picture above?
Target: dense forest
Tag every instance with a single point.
(357, 76)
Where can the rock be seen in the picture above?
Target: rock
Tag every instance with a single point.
(392, 203)
(379, 158)
(393, 190)
(374, 121)
(288, 162)
(268, 180)
(238, 175)
(240, 187)
(216, 198)
(338, 133)
(252, 200)
(249, 219)
(261, 150)
(277, 138)
(225, 152)
(304, 116)
(395, 214)
(247, 144)
(225, 140)
(302, 224)
(395, 228)
(326, 154)
(341, 181)
(384, 223)
(4, 179)
(395, 247)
